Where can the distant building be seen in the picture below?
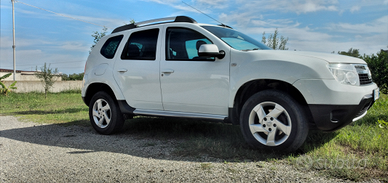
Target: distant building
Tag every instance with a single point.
(23, 75)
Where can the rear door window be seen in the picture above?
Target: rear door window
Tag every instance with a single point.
(141, 45)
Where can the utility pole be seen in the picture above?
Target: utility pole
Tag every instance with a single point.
(13, 46)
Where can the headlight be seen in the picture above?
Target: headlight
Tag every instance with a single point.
(345, 73)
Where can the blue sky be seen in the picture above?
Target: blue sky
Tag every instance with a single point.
(311, 25)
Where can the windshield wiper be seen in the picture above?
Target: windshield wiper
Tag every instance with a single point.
(251, 49)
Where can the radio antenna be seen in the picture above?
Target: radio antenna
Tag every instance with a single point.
(206, 15)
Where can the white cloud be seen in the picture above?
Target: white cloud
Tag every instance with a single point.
(369, 37)
(110, 23)
(74, 46)
(29, 59)
(357, 5)
(24, 58)
(213, 2)
(75, 12)
(376, 26)
(242, 19)
(219, 4)
(297, 6)
(21, 43)
(201, 5)
(309, 40)
(175, 4)
(35, 52)
(355, 8)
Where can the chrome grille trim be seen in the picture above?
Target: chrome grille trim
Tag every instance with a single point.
(363, 74)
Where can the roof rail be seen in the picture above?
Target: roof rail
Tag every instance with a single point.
(226, 26)
(137, 24)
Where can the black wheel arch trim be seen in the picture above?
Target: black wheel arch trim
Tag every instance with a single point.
(125, 107)
(250, 88)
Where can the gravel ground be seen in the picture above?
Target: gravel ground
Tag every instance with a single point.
(31, 152)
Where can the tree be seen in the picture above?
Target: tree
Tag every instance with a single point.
(98, 35)
(378, 64)
(47, 76)
(4, 89)
(351, 52)
(274, 41)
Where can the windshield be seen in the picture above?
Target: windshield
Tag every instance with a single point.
(235, 39)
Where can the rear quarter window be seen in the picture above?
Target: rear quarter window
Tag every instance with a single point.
(109, 48)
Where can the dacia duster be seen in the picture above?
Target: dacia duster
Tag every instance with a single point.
(176, 67)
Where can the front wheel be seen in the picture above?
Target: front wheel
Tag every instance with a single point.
(105, 115)
(271, 119)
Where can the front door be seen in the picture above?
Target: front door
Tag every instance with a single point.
(191, 83)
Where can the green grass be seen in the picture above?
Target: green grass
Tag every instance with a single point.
(361, 147)
(357, 152)
(61, 108)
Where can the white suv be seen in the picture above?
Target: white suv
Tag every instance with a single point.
(177, 67)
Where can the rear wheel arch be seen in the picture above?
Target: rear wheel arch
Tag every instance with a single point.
(95, 88)
(104, 113)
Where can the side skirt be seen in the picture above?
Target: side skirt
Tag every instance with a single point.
(126, 109)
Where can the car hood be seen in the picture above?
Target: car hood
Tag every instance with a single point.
(310, 56)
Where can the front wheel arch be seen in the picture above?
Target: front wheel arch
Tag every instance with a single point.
(272, 119)
(252, 87)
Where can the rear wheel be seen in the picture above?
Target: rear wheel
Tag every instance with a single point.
(105, 116)
(271, 119)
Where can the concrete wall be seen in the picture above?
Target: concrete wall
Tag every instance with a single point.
(25, 76)
(37, 86)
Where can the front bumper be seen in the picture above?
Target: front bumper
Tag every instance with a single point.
(334, 117)
(334, 105)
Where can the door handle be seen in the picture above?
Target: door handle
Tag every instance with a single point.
(122, 70)
(168, 71)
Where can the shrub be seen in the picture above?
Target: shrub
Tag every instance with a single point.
(378, 65)
(4, 89)
(47, 76)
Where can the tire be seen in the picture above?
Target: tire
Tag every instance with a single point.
(104, 114)
(273, 120)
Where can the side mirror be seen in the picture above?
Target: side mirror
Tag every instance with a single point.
(210, 50)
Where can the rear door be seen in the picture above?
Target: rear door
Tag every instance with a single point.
(137, 70)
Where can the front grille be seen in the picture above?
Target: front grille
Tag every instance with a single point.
(363, 74)
(364, 79)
